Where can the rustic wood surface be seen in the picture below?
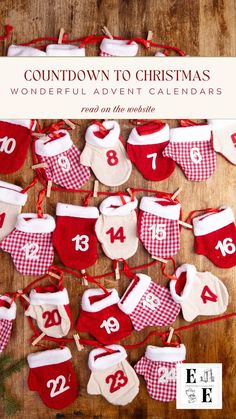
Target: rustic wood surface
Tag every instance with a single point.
(204, 28)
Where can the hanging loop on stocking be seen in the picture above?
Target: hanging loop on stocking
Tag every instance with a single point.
(40, 200)
(203, 211)
(33, 183)
(163, 266)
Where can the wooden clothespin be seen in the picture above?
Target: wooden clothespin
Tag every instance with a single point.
(187, 225)
(61, 34)
(177, 192)
(95, 188)
(84, 280)
(149, 38)
(130, 192)
(54, 275)
(23, 295)
(38, 134)
(39, 166)
(69, 123)
(171, 329)
(38, 339)
(49, 188)
(117, 271)
(78, 345)
(106, 32)
(160, 259)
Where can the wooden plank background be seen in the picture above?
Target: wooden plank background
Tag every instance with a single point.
(206, 28)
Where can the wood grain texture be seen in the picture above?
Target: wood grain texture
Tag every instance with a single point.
(199, 27)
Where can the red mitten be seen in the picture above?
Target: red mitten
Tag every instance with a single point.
(11, 202)
(148, 304)
(7, 315)
(192, 149)
(101, 317)
(15, 138)
(63, 160)
(74, 237)
(30, 244)
(52, 375)
(145, 146)
(158, 226)
(215, 237)
(158, 367)
(49, 306)
(105, 154)
(118, 48)
(116, 227)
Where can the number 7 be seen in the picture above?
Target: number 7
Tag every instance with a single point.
(153, 156)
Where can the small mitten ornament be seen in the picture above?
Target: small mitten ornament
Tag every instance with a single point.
(11, 202)
(192, 149)
(15, 138)
(112, 376)
(7, 315)
(116, 227)
(215, 237)
(118, 48)
(74, 237)
(30, 244)
(159, 366)
(101, 317)
(224, 137)
(145, 146)
(59, 50)
(148, 304)
(22, 51)
(49, 306)
(63, 160)
(52, 375)
(198, 293)
(158, 226)
(105, 154)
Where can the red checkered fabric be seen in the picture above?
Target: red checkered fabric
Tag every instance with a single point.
(105, 54)
(196, 158)
(32, 253)
(5, 333)
(66, 170)
(160, 378)
(164, 245)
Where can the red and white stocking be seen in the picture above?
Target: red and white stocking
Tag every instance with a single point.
(7, 315)
(11, 202)
(52, 375)
(148, 304)
(23, 51)
(224, 137)
(158, 226)
(60, 50)
(145, 146)
(192, 149)
(198, 293)
(118, 48)
(102, 318)
(30, 244)
(49, 306)
(63, 160)
(15, 138)
(74, 237)
(158, 368)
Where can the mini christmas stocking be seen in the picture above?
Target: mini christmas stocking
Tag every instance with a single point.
(148, 304)
(52, 375)
(63, 160)
(15, 138)
(49, 306)
(215, 237)
(158, 226)
(118, 48)
(106, 155)
(145, 146)
(112, 376)
(101, 317)
(192, 149)
(116, 227)
(21, 51)
(7, 315)
(224, 137)
(58, 50)
(198, 293)
(30, 244)
(158, 367)
(74, 238)
(11, 202)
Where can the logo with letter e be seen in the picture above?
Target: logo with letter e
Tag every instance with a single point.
(199, 386)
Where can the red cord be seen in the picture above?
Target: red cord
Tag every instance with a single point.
(8, 31)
